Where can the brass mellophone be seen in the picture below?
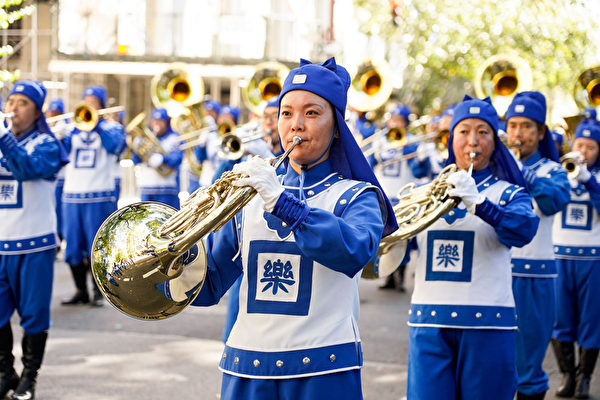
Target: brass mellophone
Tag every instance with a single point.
(148, 259)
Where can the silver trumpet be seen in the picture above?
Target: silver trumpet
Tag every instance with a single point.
(149, 260)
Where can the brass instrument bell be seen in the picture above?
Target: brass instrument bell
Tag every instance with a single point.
(266, 82)
(370, 86)
(500, 77)
(176, 88)
(586, 90)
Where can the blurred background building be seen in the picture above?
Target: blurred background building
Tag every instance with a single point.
(70, 44)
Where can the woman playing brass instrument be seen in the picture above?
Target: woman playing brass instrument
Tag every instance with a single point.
(462, 316)
(577, 251)
(301, 246)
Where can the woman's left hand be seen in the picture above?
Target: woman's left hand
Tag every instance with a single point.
(262, 177)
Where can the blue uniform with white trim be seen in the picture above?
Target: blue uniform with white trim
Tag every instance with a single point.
(534, 270)
(28, 167)
(293, 324)
(577, 252)
(89, 189)
(462, 314)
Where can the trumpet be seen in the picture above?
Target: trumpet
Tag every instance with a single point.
(148, 259)
(232, 145)
(573, 162)
(85, 117)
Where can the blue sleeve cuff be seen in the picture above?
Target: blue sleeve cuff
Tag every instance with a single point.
(592, 185)
(7, 143)
(290, 210)
(490, 212)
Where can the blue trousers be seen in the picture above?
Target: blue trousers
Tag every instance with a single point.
(81, 222)
(534, 298)
(26, 286)
(233, 306)
(168, 199)
(577, 300)
(340, 385)
(452, 364)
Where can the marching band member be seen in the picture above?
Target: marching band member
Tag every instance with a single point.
(30, 157)
(88, 194)
(60, 130)
(153, 185)
(296, 334)
(577, 252)
(462, 316)
(268, 124)
(533, 266)
(208, 151)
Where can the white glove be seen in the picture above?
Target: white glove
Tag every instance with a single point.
(262, 177)
(466, 189)
(156, 160)
(425, 151)
(3, 130)
(584, 174)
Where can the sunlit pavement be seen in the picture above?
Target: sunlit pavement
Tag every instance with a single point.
(102, 354)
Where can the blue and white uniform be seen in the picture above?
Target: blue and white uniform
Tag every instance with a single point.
(577, 251)
(463, 293)
(534, 270)
(154, 186)
(28, 167)
(462, 317)
(296, 334)
(88, 193)
(292, 321)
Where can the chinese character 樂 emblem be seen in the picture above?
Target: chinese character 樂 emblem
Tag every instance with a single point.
(277, 275)
(447, 255)
(7, 191)
(577, 214)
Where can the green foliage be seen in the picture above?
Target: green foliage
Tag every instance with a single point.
(447, 40)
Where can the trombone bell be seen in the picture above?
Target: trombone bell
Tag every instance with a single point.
(86, 117)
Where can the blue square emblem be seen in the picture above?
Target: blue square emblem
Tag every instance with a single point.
(577, 215)
(85, 158)
(279, 278)
(11, 193)
(449, 255)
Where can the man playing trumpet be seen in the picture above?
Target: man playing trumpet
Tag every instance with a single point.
(533, 266)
